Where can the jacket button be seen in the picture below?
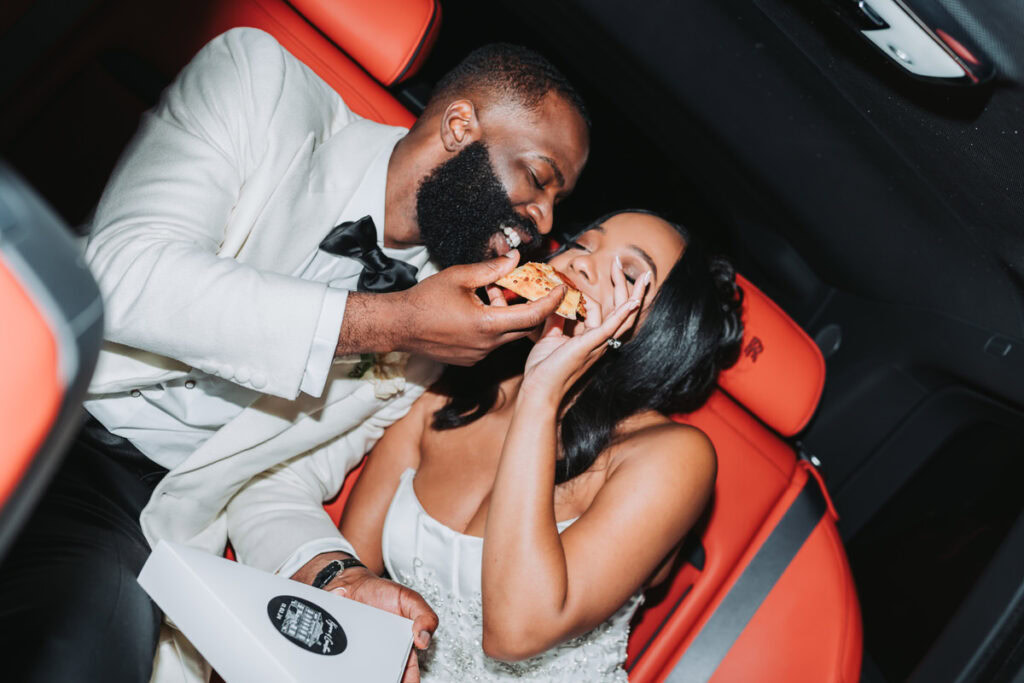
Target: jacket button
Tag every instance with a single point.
(136, 393)
(259, 380)
(190, 384)
(242, 375)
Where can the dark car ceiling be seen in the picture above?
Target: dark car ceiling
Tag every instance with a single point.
(881, 184)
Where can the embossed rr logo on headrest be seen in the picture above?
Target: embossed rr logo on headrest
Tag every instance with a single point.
(753, 349)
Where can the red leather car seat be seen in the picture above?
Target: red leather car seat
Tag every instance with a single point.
(714, 621)
(388, 39)
(51, 321)
(33, 387)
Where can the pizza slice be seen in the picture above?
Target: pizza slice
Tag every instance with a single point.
(534, 280)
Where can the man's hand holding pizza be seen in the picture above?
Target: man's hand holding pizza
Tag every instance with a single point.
(442, 317)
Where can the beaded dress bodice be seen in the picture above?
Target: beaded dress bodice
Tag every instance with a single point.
(444, 566)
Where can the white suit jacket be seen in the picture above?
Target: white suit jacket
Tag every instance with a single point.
(231, 181)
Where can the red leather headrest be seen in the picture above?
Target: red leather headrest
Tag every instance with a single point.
(388, 38)
(780, 373)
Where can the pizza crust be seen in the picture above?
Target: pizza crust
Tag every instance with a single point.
(534, 280)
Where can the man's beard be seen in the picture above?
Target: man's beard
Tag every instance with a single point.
(461, 204)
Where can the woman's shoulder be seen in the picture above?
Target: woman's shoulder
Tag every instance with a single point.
(655, 443)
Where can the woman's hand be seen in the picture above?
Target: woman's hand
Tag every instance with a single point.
(558, 359)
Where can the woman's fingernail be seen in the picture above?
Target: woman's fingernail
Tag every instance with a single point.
(618, 261)
(511, 253)
(425, 639)
(647, 277)
(634, 304)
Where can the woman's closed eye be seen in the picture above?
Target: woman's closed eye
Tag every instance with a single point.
(633, 271)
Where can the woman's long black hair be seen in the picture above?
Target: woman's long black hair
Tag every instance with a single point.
(692, 329)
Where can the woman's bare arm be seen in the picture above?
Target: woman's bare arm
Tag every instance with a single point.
(541, 588)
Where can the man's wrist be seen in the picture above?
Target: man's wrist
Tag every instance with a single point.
(334, 569)
(308, 572)
(373, 323)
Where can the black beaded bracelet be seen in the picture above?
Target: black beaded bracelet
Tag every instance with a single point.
(333, 568)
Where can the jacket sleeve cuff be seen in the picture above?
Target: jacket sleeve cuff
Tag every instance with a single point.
(325, 342)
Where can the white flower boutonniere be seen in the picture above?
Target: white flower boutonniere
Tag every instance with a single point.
(385, 370)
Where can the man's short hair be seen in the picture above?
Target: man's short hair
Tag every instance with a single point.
(501, 71)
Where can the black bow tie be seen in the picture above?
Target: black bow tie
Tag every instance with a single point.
(358, 240)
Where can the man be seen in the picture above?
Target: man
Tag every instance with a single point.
(250, 247)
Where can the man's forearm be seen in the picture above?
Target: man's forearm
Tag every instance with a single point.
(372, 324)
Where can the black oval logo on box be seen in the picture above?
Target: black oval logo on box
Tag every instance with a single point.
(307, 625)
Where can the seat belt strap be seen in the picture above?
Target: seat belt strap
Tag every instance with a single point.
(725, 625)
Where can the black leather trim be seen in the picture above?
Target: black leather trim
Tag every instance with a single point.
(714, 641)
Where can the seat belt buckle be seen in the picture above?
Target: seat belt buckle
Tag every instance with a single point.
(812, 464)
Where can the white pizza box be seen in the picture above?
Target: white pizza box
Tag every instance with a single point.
(253, 626)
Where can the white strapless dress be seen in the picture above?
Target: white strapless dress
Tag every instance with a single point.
(444, 567)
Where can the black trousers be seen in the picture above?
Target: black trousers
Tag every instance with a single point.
(70, 607)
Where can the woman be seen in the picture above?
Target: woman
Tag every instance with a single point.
(532, 503)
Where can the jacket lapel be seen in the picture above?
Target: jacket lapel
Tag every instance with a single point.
(313, 195)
